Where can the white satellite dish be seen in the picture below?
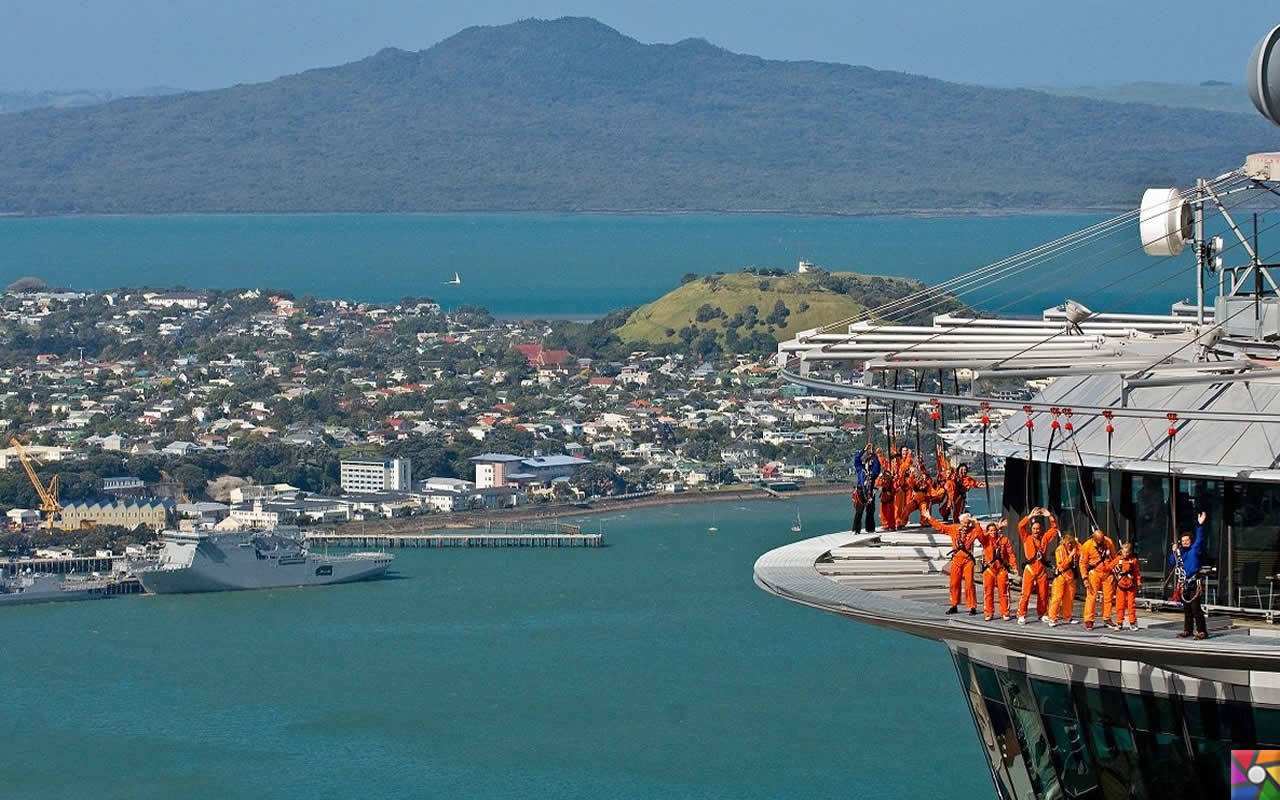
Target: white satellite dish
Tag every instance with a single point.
(1262, 78)
(1165, 222)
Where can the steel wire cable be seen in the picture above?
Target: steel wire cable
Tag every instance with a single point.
(1033, 293)
(1228, 182)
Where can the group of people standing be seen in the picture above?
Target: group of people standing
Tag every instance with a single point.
(1111, 576)
(1108, 574)
(904, 484)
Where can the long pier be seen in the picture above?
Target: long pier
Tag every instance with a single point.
(526, 534)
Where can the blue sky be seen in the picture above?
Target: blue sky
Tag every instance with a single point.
(199, 44)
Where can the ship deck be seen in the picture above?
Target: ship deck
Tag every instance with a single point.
(898, 580)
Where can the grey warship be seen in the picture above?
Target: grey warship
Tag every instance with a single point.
(204, 561)
(45, 588)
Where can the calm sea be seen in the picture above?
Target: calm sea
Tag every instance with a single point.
(576, 266)
(651, 668)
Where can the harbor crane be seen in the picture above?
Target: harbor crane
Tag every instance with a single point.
(48, 494)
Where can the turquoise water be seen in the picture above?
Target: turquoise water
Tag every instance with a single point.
(552, 265)
(651, 668)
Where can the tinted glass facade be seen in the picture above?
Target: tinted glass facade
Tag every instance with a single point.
(1045, 739)
(1243, 525)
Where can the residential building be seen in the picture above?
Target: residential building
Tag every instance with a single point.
(373, 475)
(492, 469)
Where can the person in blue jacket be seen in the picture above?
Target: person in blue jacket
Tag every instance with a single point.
(866, 466)
(1187, 558)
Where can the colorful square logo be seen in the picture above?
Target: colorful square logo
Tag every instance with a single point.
(1255, 775)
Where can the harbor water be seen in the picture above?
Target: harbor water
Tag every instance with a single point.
(576, 266)
(652, 667)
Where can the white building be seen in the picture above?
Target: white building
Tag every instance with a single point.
(373, 475)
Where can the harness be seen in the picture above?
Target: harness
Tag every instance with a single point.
(1059, 572)
(1124, 578)
(998, 561)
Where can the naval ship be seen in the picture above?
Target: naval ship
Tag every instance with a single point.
(1141, 424)
(45, 588)
(205, 561)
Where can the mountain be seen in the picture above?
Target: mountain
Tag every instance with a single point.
(570, 115)
(765, 307)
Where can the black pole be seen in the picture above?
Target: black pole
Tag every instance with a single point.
(1031, 462)
(1257, 273)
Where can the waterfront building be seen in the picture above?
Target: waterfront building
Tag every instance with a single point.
(130, 514)
(375, 475)
(1135, 423)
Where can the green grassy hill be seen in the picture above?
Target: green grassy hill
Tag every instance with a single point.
(745, 306)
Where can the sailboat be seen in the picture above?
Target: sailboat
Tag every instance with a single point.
(713, 527)
(796, 527)
(457, 280)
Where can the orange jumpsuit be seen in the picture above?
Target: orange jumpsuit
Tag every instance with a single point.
(1035, 576)
(997, 553)
(958, 487)
(1095, 563)
(902, 480)
(921, 491)
(1062, 596)
(887, 485)
(943, 482)
(1128, 576)
(962, 543)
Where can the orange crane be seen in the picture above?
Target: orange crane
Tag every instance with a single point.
(48, 494)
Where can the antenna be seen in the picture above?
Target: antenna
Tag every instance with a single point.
(1262, 78)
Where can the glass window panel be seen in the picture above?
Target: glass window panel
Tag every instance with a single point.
(1152, 712)
(1254, 515)
(1031, 734)
(1053, 698)
(1071, 757)
(1008, 750)
(1213, 763)
(1017, 690)
(1116, 756)
(1167, 767)
(1103, 705)
(1266, 723)
(1148, 507)
(1195, 496)
(988, 683)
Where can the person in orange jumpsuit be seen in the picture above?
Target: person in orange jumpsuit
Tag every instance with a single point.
(903, 482)
(943, 484)
(958, 486)
(920, 493)
(998, 564)
(1127, 573)
(888, 486)
(1035, 576)
(1062, 594)
(964, 535)
(1096, 557)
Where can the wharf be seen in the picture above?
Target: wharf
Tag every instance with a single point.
(492, 535)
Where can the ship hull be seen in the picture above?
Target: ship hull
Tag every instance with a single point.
(211, 578)
(232, 562)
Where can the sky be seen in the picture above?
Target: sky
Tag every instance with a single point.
(203, 44)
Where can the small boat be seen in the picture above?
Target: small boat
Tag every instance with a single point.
(457, 280)
(796, 527)
(713, 527)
